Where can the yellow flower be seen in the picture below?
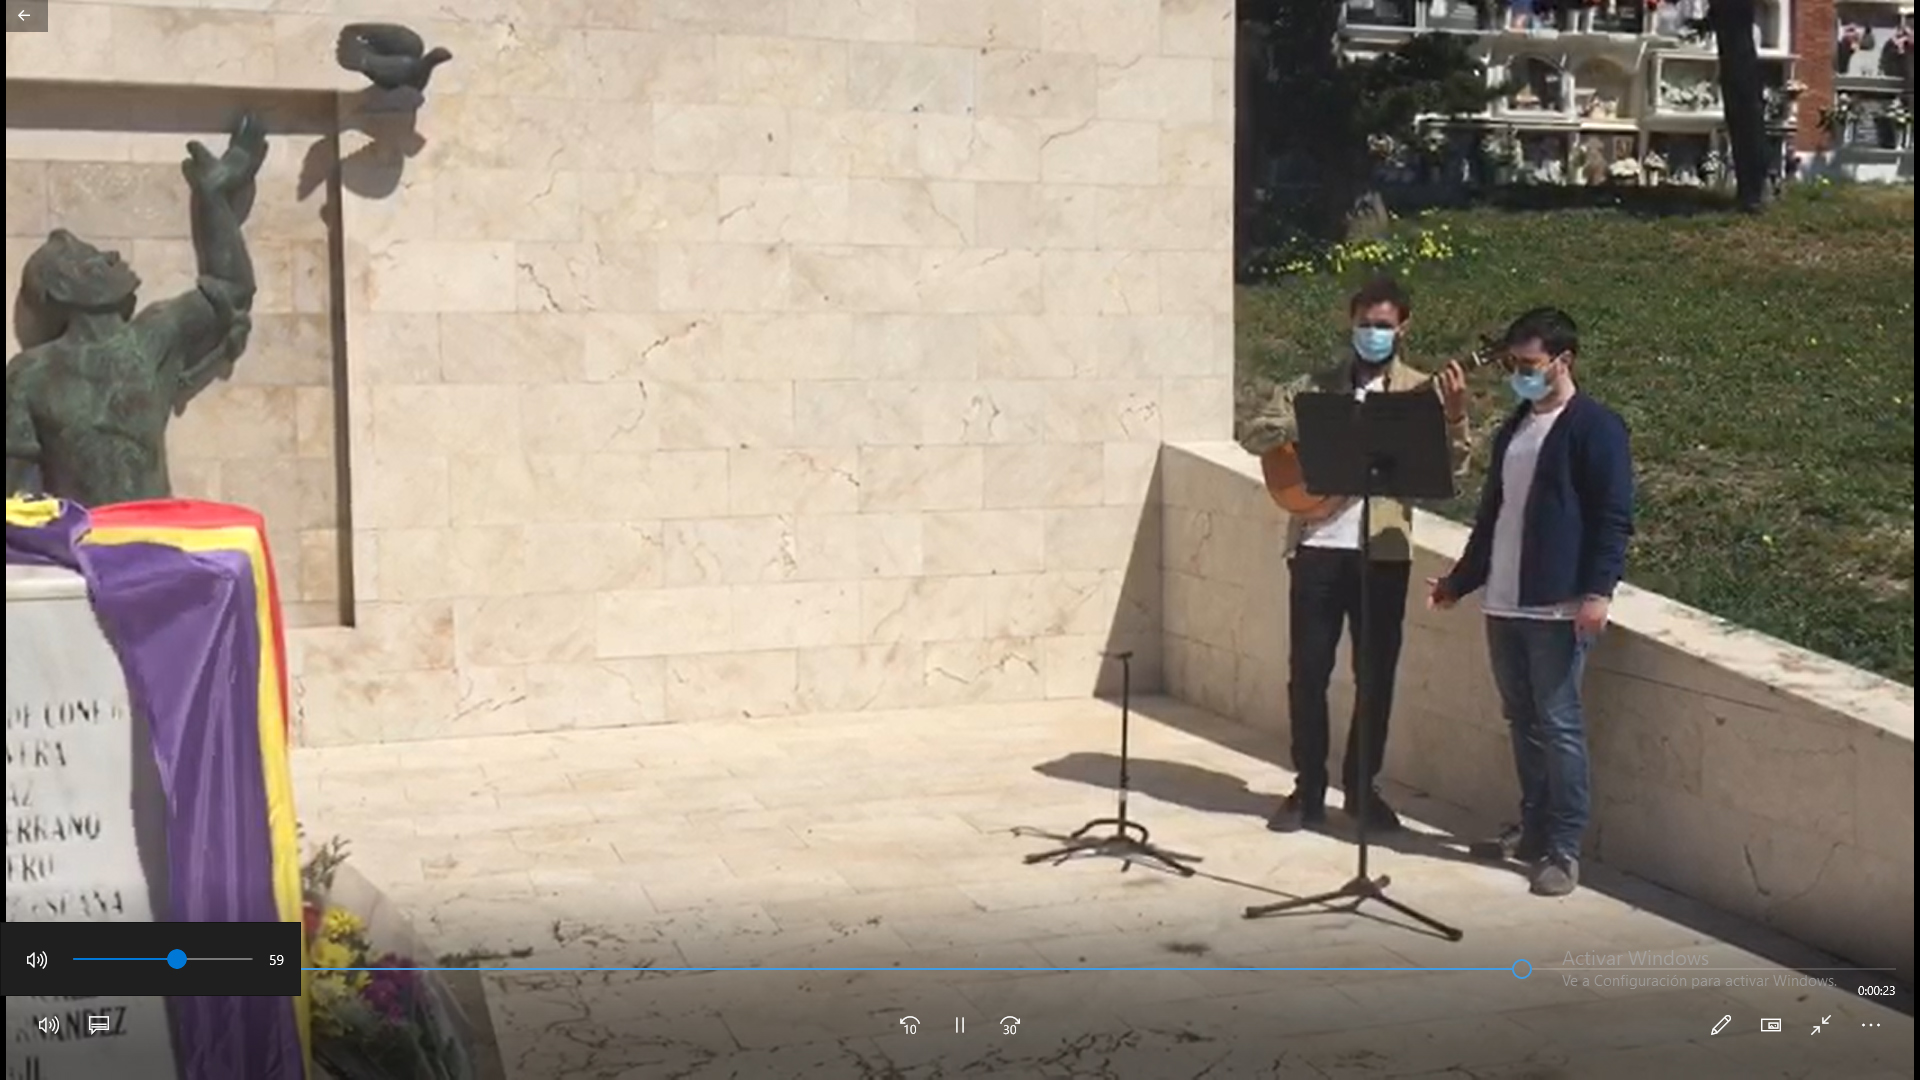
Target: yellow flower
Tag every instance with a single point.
(330, 988)
(341, 924)
(332, 954)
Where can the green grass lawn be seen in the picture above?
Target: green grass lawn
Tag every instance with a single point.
(1764, 364)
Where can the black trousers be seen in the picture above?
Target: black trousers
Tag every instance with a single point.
(1323, 603)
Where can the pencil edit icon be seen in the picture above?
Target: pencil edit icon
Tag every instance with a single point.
(1721, 1026)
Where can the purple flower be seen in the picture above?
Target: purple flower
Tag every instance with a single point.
(390, 992)
(387, 1001)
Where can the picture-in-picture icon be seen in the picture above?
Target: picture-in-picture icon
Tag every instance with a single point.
(1769, 1025)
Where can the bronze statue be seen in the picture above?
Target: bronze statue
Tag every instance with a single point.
(90, 395)
(392, 57)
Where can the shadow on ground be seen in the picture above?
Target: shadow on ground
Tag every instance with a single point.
(1215, 792)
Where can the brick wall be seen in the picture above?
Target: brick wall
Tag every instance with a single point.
(1813, 41)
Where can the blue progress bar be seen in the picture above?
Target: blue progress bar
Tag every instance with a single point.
(1520, 969)
(175, 959)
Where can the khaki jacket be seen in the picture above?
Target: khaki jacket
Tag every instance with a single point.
(1272, 424)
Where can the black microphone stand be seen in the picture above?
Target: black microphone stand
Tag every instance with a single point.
(1362, 887)
(1127, 840)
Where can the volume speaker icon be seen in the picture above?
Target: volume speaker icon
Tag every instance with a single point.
(49, 1025)
(37, 960)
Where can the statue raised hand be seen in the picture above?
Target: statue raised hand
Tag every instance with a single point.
(91, 393)
(231, 172)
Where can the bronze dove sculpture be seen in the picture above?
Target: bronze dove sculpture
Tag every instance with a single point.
(392, 57)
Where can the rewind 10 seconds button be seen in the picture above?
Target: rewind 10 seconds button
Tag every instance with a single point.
(156, 959)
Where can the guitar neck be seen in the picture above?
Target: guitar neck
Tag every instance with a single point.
(1474, 361)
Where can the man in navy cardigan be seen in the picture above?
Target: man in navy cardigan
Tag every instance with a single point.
(1549, 545)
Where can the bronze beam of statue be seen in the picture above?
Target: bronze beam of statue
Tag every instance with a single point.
(95, 385)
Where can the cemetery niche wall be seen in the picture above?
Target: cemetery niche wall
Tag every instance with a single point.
(1614, 94)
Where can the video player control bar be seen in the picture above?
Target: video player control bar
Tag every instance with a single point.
(153, 959)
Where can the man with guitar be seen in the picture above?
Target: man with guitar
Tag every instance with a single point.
(1324, 551)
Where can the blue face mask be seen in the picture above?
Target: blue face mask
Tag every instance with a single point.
(1529, 385)
(1374, 344)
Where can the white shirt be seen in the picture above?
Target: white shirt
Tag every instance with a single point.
(1342, 531)
(1509, 528)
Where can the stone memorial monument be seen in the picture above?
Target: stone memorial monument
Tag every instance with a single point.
(89, 399)
(86, 826)
(95, 385)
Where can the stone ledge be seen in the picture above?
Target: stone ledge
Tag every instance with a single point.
(1780, 667)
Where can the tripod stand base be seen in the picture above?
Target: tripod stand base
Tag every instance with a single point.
(1356, 892)
(1127, 841)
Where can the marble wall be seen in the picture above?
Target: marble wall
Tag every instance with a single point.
(709, 357)
(1731, 767)
(103, 161)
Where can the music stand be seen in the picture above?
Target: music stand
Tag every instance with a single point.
(1128, 840)
(1389, 445)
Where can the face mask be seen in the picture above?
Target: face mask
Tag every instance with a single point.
(1374, 344)
(1529, 385)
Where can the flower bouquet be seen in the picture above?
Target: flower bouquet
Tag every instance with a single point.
(1896, 125)
(1840, 119)
(1713, 169)
(375, 1015)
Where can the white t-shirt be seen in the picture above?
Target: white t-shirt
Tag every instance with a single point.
(1509, 528)
(1342, 531)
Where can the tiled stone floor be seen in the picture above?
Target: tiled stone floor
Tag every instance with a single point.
(889, 840)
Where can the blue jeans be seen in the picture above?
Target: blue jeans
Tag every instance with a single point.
(1537, 665)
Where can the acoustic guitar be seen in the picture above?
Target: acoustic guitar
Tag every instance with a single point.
(1281, 465)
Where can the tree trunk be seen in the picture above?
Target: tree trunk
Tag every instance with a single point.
(1308, 102)
(1743, 98)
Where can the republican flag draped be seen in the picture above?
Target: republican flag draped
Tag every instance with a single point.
(185, 593)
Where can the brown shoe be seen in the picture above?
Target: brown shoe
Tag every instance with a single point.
(1299, 812)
